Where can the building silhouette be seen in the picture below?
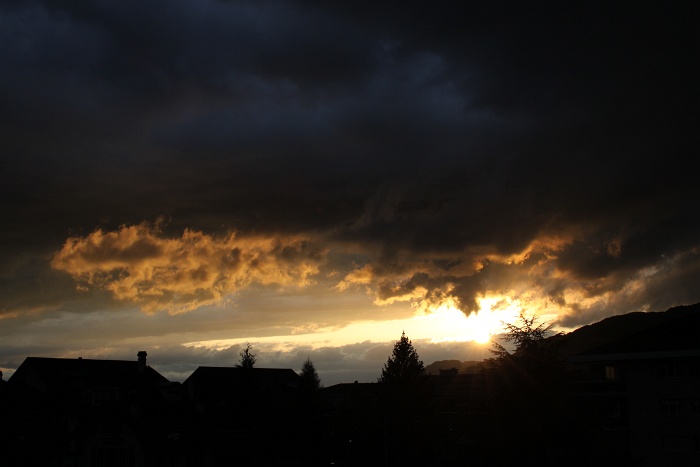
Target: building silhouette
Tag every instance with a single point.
(631, 398)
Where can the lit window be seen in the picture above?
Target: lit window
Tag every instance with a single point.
(610, 373)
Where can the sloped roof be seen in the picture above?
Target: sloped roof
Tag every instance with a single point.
(350, 388)
(49, 373)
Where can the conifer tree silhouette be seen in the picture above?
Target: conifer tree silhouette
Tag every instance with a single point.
(403, 366)
(309, 380)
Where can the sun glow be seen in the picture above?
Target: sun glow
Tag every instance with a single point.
(449, 324)
(455, 326)
(444, 323)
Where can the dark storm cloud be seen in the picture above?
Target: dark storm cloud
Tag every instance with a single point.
(457, 148)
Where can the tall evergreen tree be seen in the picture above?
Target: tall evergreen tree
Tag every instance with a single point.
(309, 380)
(404, 398)
(310, 424)
(403, 366)
(247, 357)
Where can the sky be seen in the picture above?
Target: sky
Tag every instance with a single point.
(188, 176)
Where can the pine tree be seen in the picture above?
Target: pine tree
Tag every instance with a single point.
(247, 357)
(404, 398)
(309, 380)
(310, 425)
(403, 366)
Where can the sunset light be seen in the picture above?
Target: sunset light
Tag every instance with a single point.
(446, 323)
(188, 177)
(449, 324)
(319, 183)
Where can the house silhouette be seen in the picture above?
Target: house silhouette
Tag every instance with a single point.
(85, 411)
(643, 390)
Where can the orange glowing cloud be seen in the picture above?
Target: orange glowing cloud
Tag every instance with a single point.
(139, 264)
(531, 277)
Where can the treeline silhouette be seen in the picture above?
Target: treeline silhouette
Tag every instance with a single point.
(535, 402)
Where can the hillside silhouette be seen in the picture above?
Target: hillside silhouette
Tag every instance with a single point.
(621, 326)
(468, 366)
(594, 335)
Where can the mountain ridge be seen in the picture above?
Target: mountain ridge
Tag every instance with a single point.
(590, 336)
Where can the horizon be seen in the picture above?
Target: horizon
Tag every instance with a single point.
(315, 179)
(472, 351)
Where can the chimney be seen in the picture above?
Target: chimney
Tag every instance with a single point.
(141, 365)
